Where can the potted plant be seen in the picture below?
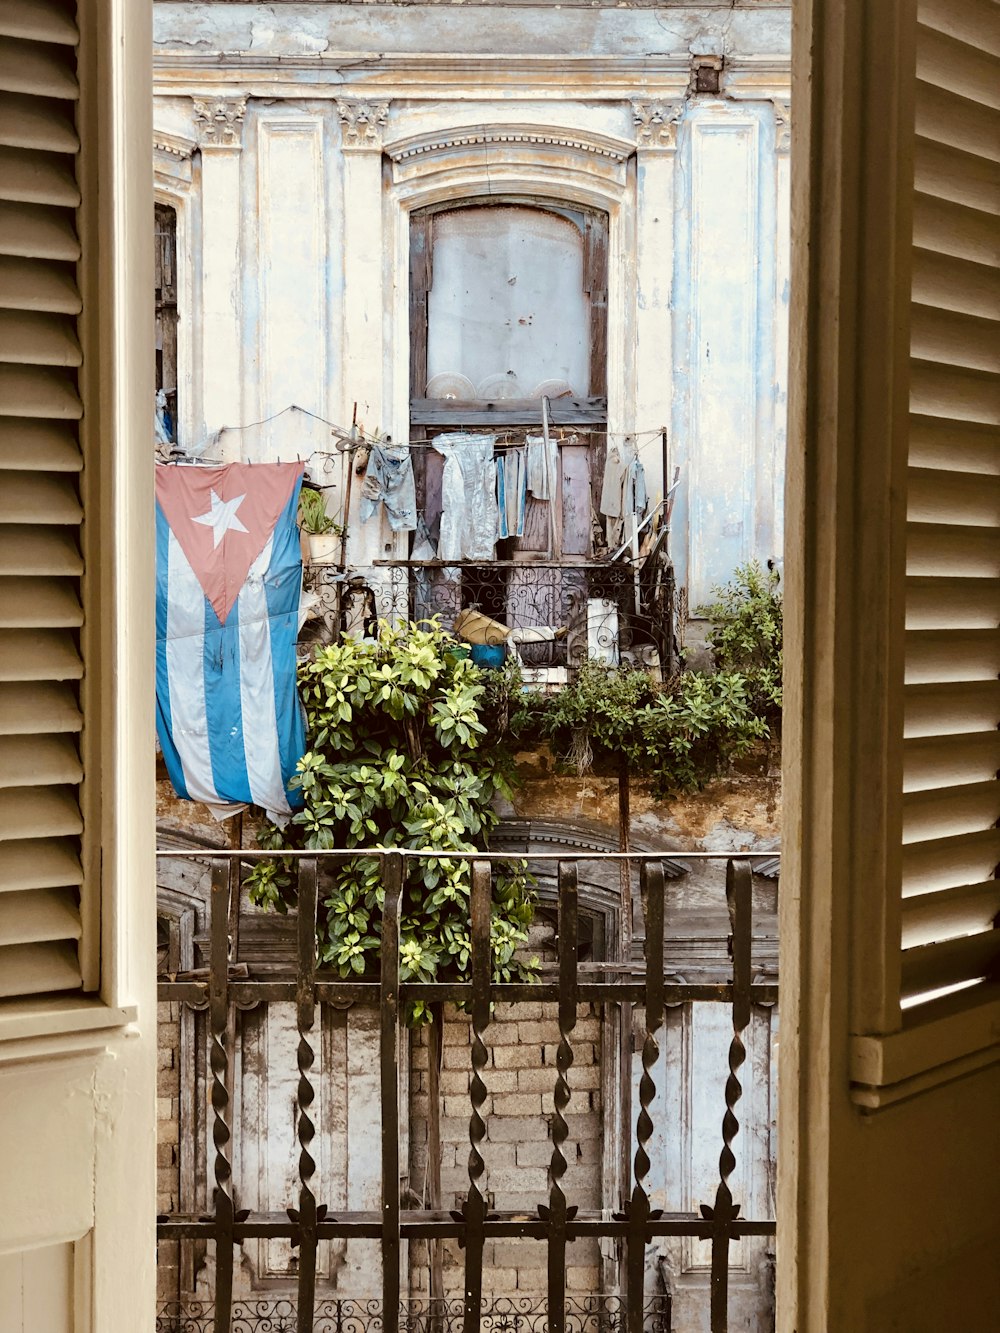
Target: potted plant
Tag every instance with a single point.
(323, 533)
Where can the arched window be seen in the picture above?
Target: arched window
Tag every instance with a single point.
(508, 301)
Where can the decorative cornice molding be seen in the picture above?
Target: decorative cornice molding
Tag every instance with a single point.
(656, 124)
(174, 145)
(472, 136)
(362, 124)
(782, 125)
(220, 123)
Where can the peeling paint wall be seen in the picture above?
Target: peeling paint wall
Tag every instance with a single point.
(295, 139)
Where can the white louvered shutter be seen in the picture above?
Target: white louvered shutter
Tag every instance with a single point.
(40, 512)
(951, 893)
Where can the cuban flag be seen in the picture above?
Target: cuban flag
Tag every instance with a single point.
(228, 582)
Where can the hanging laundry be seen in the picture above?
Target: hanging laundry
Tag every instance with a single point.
(389, 481)
(615, 467)
(469, 517)
(635, 499)
(541, 467)
(228, 585)
(512, 492)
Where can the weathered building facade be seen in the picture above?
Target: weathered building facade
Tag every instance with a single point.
(598, 198)
(303, 148)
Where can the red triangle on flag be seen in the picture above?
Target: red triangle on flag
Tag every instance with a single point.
(222, 518)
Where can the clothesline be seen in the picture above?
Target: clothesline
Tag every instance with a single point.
(355, 438)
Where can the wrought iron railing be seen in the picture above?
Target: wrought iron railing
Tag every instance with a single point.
(604, 609)
(557, 1221)
(588, 1314)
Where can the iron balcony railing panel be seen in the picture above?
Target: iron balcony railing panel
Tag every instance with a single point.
(557, 1221)
(591, 1314)
(612, 610)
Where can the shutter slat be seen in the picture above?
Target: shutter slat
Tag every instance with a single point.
(943, 442)
(36, 497)
(947, 63)
(938, 710)
(38, 603)
(35, 178)
(961, 552)
(953, 229)
(946, 863)
(40, 20)
(955, 284)
(946, 173)
(29, 917)
(951, 812)
(940, 655)
(949, 603)
(954, 391)
(949, 118)
(31, 338)
(954, 339)
(44, 446)
(39, 654)
(29, 284)
(963, 498)
(35, 551)
(39, 812)
(39, 392)
(37, 969)
(39, 69)
(37, 122)
(946, 963)
(43, 864)
(974, 22)
(930, 916)
(36, 232)
(40, 707)
(39, 761)
(950, 761)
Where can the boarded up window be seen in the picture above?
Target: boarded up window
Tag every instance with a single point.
(508, 316)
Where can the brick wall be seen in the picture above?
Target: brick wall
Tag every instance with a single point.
(167, 1119)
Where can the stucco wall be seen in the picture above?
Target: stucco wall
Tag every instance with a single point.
(293, 224)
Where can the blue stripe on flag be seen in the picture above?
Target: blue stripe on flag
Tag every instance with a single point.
(164, 728)
(223, 706)
(283, 584)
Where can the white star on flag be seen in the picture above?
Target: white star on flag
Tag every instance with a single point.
(222, 517)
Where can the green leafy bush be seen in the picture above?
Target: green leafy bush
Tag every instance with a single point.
(746, 634)
(400, 757)
(681, 734)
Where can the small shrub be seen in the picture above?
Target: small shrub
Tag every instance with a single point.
(746, 634)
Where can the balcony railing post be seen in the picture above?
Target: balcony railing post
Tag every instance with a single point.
(639, 1212)
(558, 1213)
(218, 1015)
(306, 1015)
(393, 870)
(739, 883)
(474, 1211)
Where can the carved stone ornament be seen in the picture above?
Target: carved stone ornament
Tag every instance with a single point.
(362, 124)
(220, 123)
(782, 125)
(656, 124)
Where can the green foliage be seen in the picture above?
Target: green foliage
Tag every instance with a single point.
(399, 756)
(746, 634)
(682, 734)
(313, 517)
